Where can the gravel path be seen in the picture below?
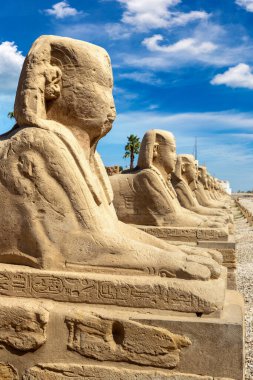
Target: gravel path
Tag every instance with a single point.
(244, 239)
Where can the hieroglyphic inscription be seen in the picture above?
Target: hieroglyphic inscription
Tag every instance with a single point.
(115, 290)
(187, 234)
(212, 234)
(47, 284)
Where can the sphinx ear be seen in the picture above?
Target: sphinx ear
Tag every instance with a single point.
(53, 77)
(183, 168)
(155, 150)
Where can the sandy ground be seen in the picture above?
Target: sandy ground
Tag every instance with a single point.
(244, 239)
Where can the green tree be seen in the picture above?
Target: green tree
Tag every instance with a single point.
(132, 148)
(11, 115)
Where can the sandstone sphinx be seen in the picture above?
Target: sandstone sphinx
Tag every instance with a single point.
(56, 197)
(63, 248)
(184, 181)
(201, 191)
(219, 193)
(146, 196)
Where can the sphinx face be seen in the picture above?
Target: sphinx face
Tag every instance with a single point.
(203, 177)
(167, 156)
(190, 171)
(86, 99)
(209, 183)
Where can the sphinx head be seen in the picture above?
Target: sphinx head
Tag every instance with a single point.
(216, 183)
(202, 176)
(209, 181)
(187, 167)
(69, 82)
(158, 148)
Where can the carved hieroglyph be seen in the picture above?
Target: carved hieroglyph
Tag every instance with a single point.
(56, 199)
(121, 340)
(96, 372)
(22, 326)
(138, 291)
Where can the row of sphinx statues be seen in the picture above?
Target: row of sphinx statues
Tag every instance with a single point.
(85, 291)
(166, 189)
(57, 205)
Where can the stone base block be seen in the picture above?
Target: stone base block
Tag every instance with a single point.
(111, 343)
(138, 290)
(208, 238)
(99, 372)
(231, 279)
(228, 250)
(187, 234)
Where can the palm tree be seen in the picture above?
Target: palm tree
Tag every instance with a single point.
(11, 115)
(132, 147)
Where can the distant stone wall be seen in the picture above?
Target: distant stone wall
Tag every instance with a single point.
(245, 205)
(242, 195)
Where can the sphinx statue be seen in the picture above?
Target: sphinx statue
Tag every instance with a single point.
(217, 190)
(184, 180)
(214, 192)
(56, 198)
(201, 191)
(146, 196)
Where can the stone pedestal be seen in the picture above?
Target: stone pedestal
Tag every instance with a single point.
(212, 238)
(187, 234)
(49, 340)
(139, 290)
(228, 250)
(99, 372)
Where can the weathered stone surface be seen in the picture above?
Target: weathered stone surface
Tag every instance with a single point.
(228, 251)
(141, 291)
(7, 372)
(57, 216)
(22, 326)
(192, 234)
(120, 340)
(56, 198)
(209, 335)
(90, 372)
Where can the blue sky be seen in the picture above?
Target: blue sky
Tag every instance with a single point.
(185, 66)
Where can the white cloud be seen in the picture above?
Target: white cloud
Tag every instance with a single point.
(11, 61)
(153, 107)
(190, 122)
(124, 98)
(179, 18)
(246, 4)
(207, 44)
(117, 31)
(238, 76)
(149, 14)
(61, 10)
(185, 46)
(142, 77)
